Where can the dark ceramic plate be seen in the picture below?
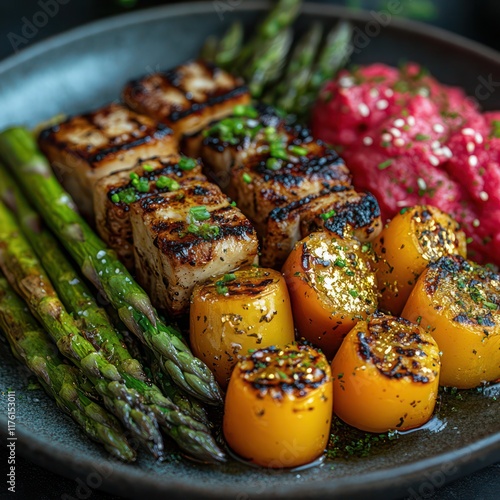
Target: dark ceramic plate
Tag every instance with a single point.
(86, 68)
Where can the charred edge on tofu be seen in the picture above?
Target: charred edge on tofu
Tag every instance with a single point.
(306, 169)
(144, 134)
(183, 246)
(356, 215)
(168, 170)
(469, 286)
(392, 345)
(294, 370)
(174, 78)
(282, 213)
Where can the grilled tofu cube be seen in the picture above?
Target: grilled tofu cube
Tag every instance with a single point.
(114, 194)
(232, 141)
(339, 210)
(264, 183)
(187, 97)
(86, 147)
(184, 237)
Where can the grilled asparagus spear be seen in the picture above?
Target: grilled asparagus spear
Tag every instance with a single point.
(26, 276)
(229, 46)
(101, 266)
(192, 436)
(298, 72)
(32, 346)
(331, 58)
(277, 21)
(267, 63)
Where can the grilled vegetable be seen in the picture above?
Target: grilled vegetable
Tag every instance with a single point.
(102, 267)
(267, 63)
(299, 70)
(115, 193)
(236, 312)
(343, 212)
(410, 241)
(277, 20)
(458, 303)
(34, 348)
(332, 286)
(184, 237)
(26, 276)
(279, 406)
(229, 46)
(331, 58)
(386, 375)
(86, 147)
(188, 97)
(193, 438)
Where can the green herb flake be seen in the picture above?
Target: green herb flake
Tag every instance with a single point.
(186, 163)
(147, 167)
(328, 215)
(166, 182)
(246, 178)
(199, 213)
(385, 164)
(422, 137)
(297, 150)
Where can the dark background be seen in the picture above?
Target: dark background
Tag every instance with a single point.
(476, 19)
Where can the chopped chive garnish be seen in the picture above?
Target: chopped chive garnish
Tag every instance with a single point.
(328, 215)
(245, 110)
(365, 247)
(340, 262)
(422, 137)
(221, 288)
(186, 163)
(353, 293)
(385, 164)
(115, 198)
(166, 182)
(148, 168)
(273, 164)
(127, 196)
(199, 213)
(247, 178)
(233, 203)
(490, 305)
(229, 277)
(142, 185)
(134, 176)
(298, 150)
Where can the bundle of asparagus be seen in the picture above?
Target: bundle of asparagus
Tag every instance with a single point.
(289, 86)
(32, 346)
(90, 340)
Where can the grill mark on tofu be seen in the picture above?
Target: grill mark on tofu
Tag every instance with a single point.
(115, 128)
(187, 97)
(173, 239)
(112, 218)
(351, 214)
(87, 147)
(171, 258)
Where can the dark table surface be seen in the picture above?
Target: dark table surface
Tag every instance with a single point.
(36, 483)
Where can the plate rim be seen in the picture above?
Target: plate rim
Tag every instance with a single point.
(469, 458)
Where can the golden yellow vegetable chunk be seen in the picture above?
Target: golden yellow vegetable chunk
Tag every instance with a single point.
(458, 303)
(278, 407)
(415, 237)
(332, 286)
(233, 313)
(386, 375)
